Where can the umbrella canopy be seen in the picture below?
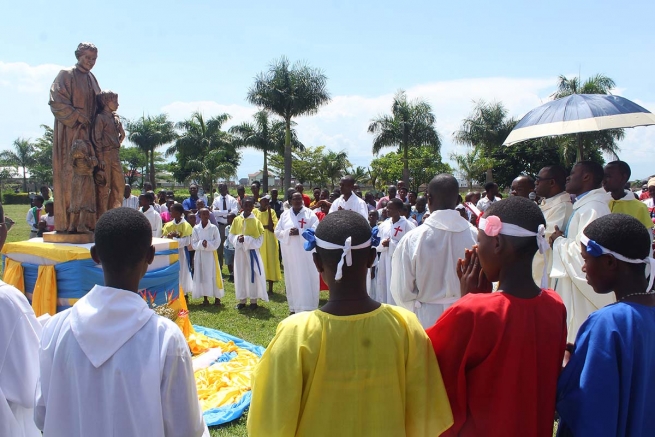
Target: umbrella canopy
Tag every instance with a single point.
(579, 113)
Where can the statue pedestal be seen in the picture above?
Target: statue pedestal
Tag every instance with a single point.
(58, 237)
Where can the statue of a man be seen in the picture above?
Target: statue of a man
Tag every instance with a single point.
(73, 103)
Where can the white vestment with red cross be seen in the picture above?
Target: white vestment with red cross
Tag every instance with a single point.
(300, 275)
(394, 232)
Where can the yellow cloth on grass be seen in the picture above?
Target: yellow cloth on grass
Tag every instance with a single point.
(634, 208)
(14, 274)
(223, 383)
(44, 298)
(372, 374)
(183, 322)
(270, 247)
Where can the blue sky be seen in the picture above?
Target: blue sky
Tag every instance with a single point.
(177, 57)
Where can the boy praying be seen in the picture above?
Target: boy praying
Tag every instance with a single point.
(181, 231)
(247, 235)
(355, 367)
(207, 279)
(109, 365)
(501, 353)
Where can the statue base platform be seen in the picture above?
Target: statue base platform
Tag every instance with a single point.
(58, 237)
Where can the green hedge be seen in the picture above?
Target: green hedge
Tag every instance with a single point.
(16, 198)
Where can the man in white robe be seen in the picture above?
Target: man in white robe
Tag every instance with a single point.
(19, 363)
(557, 208)
(109, 365)
(391, 233)
(300, 274)
(348, 200)
(247, 237)
(424, 275)
(207, 279)
(146, 200)
(585, 182)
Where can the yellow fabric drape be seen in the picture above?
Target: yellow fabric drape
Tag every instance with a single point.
(14, 274)
(183, 322)
(52, 251)
(44, 299)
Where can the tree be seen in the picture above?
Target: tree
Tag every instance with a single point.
(267, 135)
(424, 166)
(21, 157)
(198, 140)
(410, 125)
(133, 162)
(360, 174)
(289, 92)
(333, 167)
(486, 128)
(149, 133)
(472, 164)
(42, 167)
(605, 140)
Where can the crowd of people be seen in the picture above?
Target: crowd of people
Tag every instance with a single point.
(479, 316)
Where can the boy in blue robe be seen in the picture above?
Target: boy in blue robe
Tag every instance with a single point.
(608, 386)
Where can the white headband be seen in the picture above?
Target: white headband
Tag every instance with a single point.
(347, 254)
(492, 226)
(594, 249)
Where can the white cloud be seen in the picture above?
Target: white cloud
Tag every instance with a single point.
(340, 125)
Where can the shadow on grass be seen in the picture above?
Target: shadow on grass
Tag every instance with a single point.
(277, 297)
(212, 309)
(261, 313)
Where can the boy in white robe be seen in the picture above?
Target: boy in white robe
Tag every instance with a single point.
(348, 199)
(390, 232)
(300, 276)
(109, 365)
(585, 181)
(207, 279)
(429, 288)
(247, 235)
(181, 231)
(146, 202)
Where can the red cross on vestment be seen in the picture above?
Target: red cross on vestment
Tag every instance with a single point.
(302, 223)
(397, 229)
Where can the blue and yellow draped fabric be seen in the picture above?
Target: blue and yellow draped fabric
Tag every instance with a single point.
(58, 275)
(224, 387)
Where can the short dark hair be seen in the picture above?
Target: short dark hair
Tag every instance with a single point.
(177, 207)
(620, 233)
(123, 237)
(39, 197)
(521, 212)
(489, 185)
(336, 227)
(558, 173)
(596, 170)
(624, 168)
(149, 195)
(397, 203)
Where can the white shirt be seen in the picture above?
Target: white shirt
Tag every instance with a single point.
(484, 203)
(221, 213)
(155, 221)
(30, 217)
(131, 202)
(121, 371)
(19, 363)
(421, 283)
(354, 203)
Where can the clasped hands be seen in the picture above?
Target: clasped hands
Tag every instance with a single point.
(471, 276)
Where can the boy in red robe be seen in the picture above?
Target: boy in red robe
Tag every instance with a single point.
(501, 353)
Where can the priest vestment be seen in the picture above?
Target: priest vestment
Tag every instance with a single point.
(394, 232)
(424, 266)
(19, 363)
(571, 283)
(557, 211)
(300, 274)
(249, 274)
(207, 279)
(111, 367)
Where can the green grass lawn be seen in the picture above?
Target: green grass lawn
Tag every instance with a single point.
(257, 327)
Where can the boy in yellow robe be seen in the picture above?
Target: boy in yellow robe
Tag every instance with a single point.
(270, 249)
(354, 367)
(247, 235)
(180, 230)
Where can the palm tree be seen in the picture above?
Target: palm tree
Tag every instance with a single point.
(486, 128)
(472, 164)
(21, 157)
(605, 140)
(360, 174)
(149, 133)
(411, 124)
(204, 143)
(289, 92)
(267, 135)
(333, 166)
